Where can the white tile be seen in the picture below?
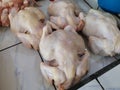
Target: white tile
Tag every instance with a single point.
(7, 38)
(7, 76)
(93, 3)
(44, 6)
(82, 5)
(111, 79)
(19, 70)
(98, 62)
(93, 85)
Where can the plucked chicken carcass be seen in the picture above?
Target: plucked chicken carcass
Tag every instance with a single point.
(65, 56)
(27, 25)
(103, 33)
(6, 6)
(64, 12)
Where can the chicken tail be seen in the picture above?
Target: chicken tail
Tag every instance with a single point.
(46, 31)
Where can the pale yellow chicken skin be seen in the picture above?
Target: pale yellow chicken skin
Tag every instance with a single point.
(27, 25)
(63, 13)
(6, 6)
(65, 55)
(103, 33)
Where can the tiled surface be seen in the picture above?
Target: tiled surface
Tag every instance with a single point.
(7, 38)
(82, 5)
(98, 62)
(93, 85)
(93, 3)
(117, 56)
(111, 79)
(44, 4)
(19, 70)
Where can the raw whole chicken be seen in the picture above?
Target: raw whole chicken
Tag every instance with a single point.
(65, 12)
(27, 25)
(103, 33)
(6, 6)
(65, 56)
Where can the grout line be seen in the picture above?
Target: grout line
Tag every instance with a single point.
(10, 46)
(90, 5)
(115, 57)
(40, 56)
(100, 84)
(87, 3)
(43, 61)
(53, 83)
(95, 75)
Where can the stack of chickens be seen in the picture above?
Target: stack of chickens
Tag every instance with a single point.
(62, 48)
(66, 59)
(64, 52)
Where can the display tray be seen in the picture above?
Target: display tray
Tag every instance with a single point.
(19, 66)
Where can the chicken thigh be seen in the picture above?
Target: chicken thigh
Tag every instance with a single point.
(65, 56)
(27, 25)
(103, 33)
(63, 13)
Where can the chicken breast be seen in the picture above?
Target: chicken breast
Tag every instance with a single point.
(65, 12)
(103, 33)
(27, 25)
(65, 56)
